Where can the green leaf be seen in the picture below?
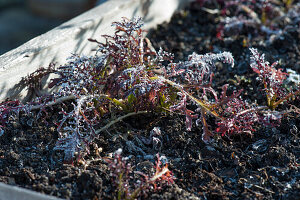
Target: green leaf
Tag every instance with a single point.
(119, 103)
(131, 98)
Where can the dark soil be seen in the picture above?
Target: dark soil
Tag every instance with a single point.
(263, 165)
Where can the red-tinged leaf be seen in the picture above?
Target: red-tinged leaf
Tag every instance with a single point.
(152, 96)
(189, 119)
(206, 135)
(221, 129)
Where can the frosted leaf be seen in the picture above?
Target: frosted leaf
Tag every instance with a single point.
(293, 77)
(129, 25)
(198, 68)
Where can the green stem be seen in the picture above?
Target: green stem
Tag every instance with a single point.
(119, 119)
(285, 98)
(120, 187)
(197, 101)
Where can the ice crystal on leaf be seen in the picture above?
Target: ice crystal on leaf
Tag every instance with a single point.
(78, 76)
(129, 26)
(198, 68)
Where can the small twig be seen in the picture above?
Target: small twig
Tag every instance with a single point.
(211, 11)
(263, 189)
(256, 193)
(119, 119)
(252, 109)
(52, 103)
(62, 99)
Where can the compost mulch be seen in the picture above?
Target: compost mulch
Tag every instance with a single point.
(262, 165)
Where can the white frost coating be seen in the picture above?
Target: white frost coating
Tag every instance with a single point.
(293, 76)
(198, 68)
(119, 151)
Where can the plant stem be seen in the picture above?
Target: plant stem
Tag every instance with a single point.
(197, 101)
(252, 109)
(285, 98)
(62, 99)
(119, 119)
(52, 103)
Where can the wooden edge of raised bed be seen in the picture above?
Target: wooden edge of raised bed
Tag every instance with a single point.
(8, 192)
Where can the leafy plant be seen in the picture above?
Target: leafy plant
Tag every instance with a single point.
(272, 80)
(126, 181)
(128, 77)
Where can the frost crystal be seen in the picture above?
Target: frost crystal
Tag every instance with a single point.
(198, 69)
(293, 76)
(130, 25)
